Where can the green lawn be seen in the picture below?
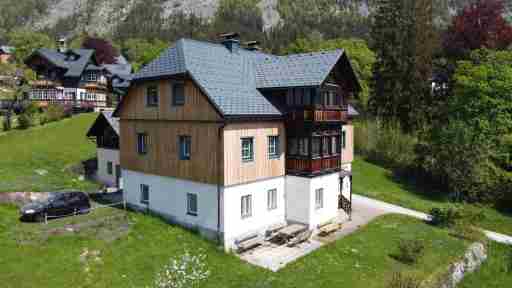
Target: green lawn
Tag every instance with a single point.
(376, 182)
(361, 260)
(40, 158)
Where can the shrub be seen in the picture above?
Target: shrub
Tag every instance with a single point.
(7, 122)
(55, 112)
(43, 119)
(25, 121)
(444, 217)
(456, 215)
(410, 250)
(384, 143)
(185, 271)
(401, 280)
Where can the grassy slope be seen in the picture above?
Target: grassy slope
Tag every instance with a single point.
(53, 147)
(376, 182)
(494, 273)
(359, 260)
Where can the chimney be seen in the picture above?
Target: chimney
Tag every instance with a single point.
(231, 41)
(253, 46)
(62, 45)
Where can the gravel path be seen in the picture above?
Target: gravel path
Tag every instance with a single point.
(380, 206)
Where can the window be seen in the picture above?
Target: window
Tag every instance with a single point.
(344, 139)
(178, 94)
(142, 143)
(319, 198)
(246, 206)
(326, 149)
(185, 145)
(273, 147)
(247, 149)
(316, 96)
(92, 76)
(152, 96)
(144, 194)
(315, 147)
(192, 204)
(336, 147)
(272, 199)
(110, 168)
(307, 97)
(304, 146)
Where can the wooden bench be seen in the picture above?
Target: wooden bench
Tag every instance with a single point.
(300, 238)
(248, 243)
(328, 228)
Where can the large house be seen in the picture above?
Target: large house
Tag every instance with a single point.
(231, 141)
(72, 77)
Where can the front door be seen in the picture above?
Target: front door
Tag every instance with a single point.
(118, 175)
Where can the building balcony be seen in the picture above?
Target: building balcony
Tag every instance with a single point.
(315, 166)
(45, 83)
(318, 115)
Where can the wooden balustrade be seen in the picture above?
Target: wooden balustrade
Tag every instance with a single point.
(318, 115)
(313, 166)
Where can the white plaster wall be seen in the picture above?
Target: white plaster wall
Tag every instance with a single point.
(347, 167)
(331, 185)
(298, 197)
(346, 187)
(168, 196)
(234, 226)
(105, 156)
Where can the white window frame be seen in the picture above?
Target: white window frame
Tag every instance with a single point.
(190, 211)
(246, 206)
(92, 76)
(144, 194)
(250, 149)
(272, 199)
(319, 198)
(273, 147)
(110, 168)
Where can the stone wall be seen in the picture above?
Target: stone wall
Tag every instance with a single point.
(474, 257)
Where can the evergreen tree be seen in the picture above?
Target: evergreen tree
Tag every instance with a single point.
(401, 75)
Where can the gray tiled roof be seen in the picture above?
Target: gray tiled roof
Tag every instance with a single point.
(297, 70)
(76, 67)
(231, 79)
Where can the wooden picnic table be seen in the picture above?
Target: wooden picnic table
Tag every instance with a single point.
(292, 230)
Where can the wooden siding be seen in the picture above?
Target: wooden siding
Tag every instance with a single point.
(237, 172)
(196, 108)
(347, 154)
(163, 149)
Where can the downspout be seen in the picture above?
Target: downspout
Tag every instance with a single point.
(220, 157)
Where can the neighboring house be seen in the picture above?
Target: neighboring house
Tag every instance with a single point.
(105, 132)
(72, 77)
(6, 54)
(230, 141)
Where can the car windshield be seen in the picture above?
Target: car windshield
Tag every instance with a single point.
(52, 197)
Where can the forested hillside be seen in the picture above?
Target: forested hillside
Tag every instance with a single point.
(150, 18)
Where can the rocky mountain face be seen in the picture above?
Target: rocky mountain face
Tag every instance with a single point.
(102, 16)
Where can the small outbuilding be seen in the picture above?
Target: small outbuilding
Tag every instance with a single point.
(105, 132)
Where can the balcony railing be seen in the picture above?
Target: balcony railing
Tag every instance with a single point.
(313, 166)
(45, 83)
(318, 115)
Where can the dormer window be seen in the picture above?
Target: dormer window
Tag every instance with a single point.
(92, 76)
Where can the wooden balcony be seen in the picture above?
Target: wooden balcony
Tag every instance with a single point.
(313, 166)
(318, 115)
(45, 83)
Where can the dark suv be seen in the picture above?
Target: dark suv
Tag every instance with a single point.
(56, 205)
